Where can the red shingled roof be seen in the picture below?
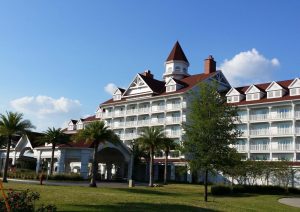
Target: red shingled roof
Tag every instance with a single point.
(177, 53)
(264, 99)
(188, 83)
(90, 118)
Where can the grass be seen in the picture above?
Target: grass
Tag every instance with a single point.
(174, 197)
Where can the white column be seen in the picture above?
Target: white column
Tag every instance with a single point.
(130, 167)
(248, 131)
(61, 162)
(84, 168)
(38, 162)
(172, 174)
(189, 174)
(294, 131)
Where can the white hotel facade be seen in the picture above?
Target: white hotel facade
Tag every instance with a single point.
(269, 119)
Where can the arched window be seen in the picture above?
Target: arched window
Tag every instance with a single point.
(177, 68)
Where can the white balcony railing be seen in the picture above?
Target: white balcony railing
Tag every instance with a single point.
(144, 110)
(173, 106)
(297, 129)
(130, 136)
(297, 146)
(283, 131)
(173, 120)
(297, 114)
(173, 133)
(130, 123)
(240, 148)
(259, 117)
(107, 115)
(284, 147)
(158, 121)
(118, 124)
(259, 132)
(286, 115)
(143, 122)
(243, 133)
(158, 108)
(259, 147)
(119, 113)
(131, 111)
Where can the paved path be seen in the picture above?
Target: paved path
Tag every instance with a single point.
(79, 183)
(292, 201)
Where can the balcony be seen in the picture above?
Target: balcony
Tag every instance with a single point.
(131, 112)
(260, 132)
(173, 134)
(259, 147)
(173, 106)
(240, 148)
(283, 131)
(107, 115)
(130, 136)
(284, 147)
(297, 146)
(173, 120)
(118, 124)
(131, 123)
(158, 108)
(144, 110)
(143, 122)
(297, 114)
(259, 117)
(119, 113)
(297, 129)
(158, 121)
(244, 133)
(282, 116)
(121, 136)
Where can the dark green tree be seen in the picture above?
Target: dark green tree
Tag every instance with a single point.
(12, 124)
(150, 140)
(167, 144)
(96, 133)
(54, 136)
(210, 131)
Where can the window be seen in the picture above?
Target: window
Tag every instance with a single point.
(294, 91)
(169, 70)
(177, 68)
(171, 88)
(117, 97)
(253, 96)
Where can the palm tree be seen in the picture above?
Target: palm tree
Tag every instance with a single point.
(150, 140)
(12, 124)
(54, 136)
(167, 144)
(96, 133)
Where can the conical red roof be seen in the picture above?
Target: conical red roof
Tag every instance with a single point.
(177, 53)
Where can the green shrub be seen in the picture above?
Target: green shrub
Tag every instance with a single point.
(71, 177)
(258, 189)
(294, 190)
(220, 190)
(23, 201)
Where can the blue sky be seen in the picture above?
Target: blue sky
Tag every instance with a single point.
(57, 57)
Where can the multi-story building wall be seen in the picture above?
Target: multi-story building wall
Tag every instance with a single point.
(269, 120)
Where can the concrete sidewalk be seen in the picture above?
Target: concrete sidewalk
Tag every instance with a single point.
(291, 201)
(75, 183)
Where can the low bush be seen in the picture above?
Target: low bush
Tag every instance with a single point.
(220, 190)
(23, 201)
(71, 177)
(23, 174)
(251, 189)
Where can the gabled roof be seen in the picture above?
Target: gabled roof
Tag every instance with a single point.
(188, 83)
(263, 86)
(90, 118)
(273, 84)
(155, 85)
(295, 83)
(119, 89)
(252, 87)
(177, 53)
(73, 121)
(234, 91)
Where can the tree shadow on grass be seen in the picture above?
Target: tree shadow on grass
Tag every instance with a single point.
(147, 191)
(234, 195)
(140, 206)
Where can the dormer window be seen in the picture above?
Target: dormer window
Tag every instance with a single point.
(234, 95)
(253, 93)
(252, 96)
(171, 88)
(231, 99)
(274, 90)
(295, 87)
(274, 94)
(117, 97)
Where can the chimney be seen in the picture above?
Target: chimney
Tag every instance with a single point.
(147, 73)
(209, 65)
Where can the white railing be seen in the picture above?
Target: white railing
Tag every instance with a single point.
(243, 133)
(173, 134)
(259, 117)
(297, 129)
(130, 136)
(283, 131)
(173, 120)
(173, 106)
(121, 136)
(259, 147)
(118, 124)
(297, 114)
(119, 113)
(240, 148)
(297, 146)
(143, 122)
(130, 123)
(286, 115)
(158, 121)
(144, 110)
(260, 132)
(242, 118)
(158, 108)
(107, 115)
(131, 111)
(183, 104)
(284, 147)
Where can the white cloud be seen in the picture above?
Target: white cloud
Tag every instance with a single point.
(249, 67)
(45, 111)
(110, 88)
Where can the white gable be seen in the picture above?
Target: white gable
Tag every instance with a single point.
(171, 81)
(233, 92)
(252, 89)
(137, 86)
(295, 83)
(118, 91)
(274, 86)
(23, 143)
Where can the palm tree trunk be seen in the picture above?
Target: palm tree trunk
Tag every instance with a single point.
(205, 185)
(7, 159)
(151, 169)
(166, 167)
(94, 167)
(52, 159)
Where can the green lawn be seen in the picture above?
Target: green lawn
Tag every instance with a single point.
(174, 197)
